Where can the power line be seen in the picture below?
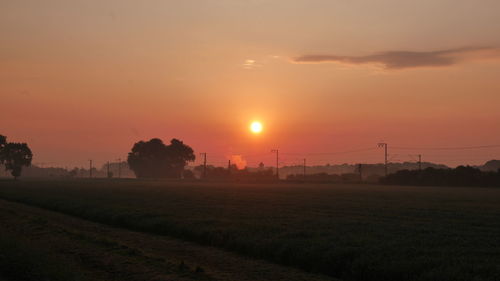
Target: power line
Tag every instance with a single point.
(253, 155)
(384, 145)
(298, 154)
(204, 154)
(448, 148)
(332, 153)
(119, 167)
(277, 163)
(304, 168)
(420, 162)
(314, 155)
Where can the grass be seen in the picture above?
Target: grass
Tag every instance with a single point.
(353, 232)
(22, 260)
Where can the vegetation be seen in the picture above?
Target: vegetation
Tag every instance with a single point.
(14, 156)
(460, 176)
(21, 260)
(370, 172)
(234, 174)
(154, 159)
(354, 232)
(324, 177)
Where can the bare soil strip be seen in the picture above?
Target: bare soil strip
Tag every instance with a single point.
(107, 253)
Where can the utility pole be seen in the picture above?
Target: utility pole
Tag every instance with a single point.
(204, 154)
(90, 169)
(360, 170)
(420, 162)
(229, 165)
(384, 145)
(277, 163)
(108, 175)
(304, 168)
(119, 167)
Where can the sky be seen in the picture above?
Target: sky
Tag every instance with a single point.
(86, 79)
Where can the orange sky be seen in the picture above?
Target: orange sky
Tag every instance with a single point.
(85, 80)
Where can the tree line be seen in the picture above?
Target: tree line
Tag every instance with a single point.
(155, 159)
(14, 156)
(460, 176)
(332, 178)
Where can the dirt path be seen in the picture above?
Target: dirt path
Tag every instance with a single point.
(107, 253)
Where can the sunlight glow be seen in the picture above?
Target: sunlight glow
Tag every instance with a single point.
(256, 127)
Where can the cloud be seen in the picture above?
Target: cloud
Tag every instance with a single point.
(408, 59)
(250, 64)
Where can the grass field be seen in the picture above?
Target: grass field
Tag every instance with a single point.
(23, 260)
(352, 232)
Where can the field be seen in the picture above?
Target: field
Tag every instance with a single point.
(289, 231)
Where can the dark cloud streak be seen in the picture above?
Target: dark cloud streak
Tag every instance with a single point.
(405, 59)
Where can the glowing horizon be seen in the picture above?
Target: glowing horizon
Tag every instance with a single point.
(85, 80)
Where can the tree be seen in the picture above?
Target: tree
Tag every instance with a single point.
(154, 159)
(3, 142)
(73, 173)
(14, 156)
(188, 174)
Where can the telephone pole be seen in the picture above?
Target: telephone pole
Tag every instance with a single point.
(304, 168)
(108, 175)
(360, 170)
(277, 163)
(384, 145)
(204, 154)
(229, 166)
(90, 169)
(420, 162)
(119, 167)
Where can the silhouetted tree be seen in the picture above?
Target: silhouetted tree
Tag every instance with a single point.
(213, 173)
(460, 176)
(317, 177)
(73, 173)
(3, 142)
(154, 159)
(188, 174)
(14, 156)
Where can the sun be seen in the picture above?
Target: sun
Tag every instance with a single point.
(256, 127)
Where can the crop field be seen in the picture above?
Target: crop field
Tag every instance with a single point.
(347, 232)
